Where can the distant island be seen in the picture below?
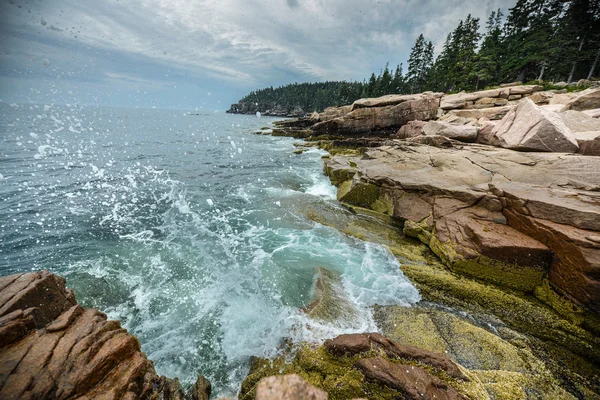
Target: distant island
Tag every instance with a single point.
(539, 40)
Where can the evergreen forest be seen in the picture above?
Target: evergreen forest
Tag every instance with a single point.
(538, 40)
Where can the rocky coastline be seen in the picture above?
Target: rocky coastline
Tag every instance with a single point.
(489, 200)
(275, 110)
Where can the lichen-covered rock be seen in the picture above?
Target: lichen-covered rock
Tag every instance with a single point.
(357, 343)
(51, 348)
(414, 383)
(446, 192)
(531, 128)
(349, 375)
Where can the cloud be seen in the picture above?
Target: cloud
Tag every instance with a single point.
(237, 44)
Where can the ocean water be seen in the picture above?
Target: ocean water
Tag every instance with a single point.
(189, 229)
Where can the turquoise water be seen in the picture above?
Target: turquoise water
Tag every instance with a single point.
(189, 229)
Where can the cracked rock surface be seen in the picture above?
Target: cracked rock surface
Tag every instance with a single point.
(52, 348)
(512, 218)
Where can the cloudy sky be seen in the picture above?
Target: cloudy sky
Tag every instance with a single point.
(206, 54)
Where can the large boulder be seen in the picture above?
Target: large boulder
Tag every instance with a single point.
(585, 100)
(463, 133)
(411, 129)
(369, 117)
(52, 348)
(532, 128)
(589, 143)
(578, 121)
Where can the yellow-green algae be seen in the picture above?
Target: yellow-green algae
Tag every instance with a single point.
(338, 377)
(520, 277)
(506, 368)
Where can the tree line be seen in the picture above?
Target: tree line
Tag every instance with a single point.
(539, 40)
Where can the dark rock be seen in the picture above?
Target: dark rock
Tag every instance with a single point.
(357, 343)
(414, 382)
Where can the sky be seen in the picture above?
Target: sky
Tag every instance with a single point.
(206, 54)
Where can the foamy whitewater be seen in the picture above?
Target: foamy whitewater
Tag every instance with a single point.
(189, 229)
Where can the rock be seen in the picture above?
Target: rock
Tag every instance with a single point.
(561, 84)
(455, 119)
(563, 219)
(578, 121)
(434, 141)
(391, 100)
(531, 128)
(473, 228)
(487, 102)
(541, 97)
(389, 118)
(486, 133)
(463, 133)
(332, 112)
(504, 85)
(583, 82)
(51, 348)
(287, 387)
(557, 108)
(562, 98)
(460, 100)
(414, 382)
(349, 378)
(411, 129)
(493, 96)
(585, 100)
(589, 143)
(330, 302)
(595, 113)
(493, 113)
(514, 97)
(201, 389)
(357, 343)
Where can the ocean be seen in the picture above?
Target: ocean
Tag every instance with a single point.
(189, 229)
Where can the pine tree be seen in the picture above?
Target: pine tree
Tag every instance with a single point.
(415, 62)
(530, 38)
(489, 57)
(398, 80)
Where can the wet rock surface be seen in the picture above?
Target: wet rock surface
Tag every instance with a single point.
(52, 348)
(489, 212)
